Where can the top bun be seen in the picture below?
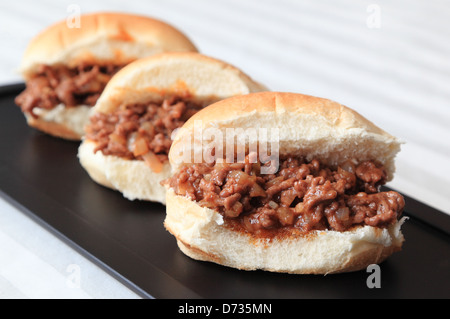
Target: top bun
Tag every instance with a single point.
(191, 74)
(307, 126)
(107, 36)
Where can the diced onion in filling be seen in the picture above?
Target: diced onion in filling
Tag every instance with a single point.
(152, 161)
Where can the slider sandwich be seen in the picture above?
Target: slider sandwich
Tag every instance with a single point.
(301, 197)
(67, 66)
(129, 134)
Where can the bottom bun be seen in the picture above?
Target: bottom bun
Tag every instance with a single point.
(200, 234)
(133, 178)
(62, 122)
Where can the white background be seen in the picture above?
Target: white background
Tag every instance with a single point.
(389, 60)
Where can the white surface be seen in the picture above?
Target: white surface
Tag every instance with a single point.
(389, 60)
(35, 264)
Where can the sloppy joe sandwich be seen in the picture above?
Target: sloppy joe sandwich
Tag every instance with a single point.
(129, 134)
(67, 66)
(311, 205)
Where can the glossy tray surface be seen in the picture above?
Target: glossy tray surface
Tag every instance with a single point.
(41, 176)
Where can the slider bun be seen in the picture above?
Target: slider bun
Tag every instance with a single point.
(203, 78)
(102, 38)
(191, 73)
(133, 178)
(308, 126)
(201, 236)
(62, 122)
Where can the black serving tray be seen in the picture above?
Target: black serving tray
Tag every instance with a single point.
(42, 177)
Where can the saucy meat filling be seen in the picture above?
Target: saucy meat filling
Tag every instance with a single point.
(301, 195)
(141, 131)
(53, 85)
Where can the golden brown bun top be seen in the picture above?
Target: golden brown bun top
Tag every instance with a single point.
(103, 36)
(307, 126)
(190, 74)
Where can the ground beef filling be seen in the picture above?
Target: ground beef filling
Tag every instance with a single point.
(53, 85)
(301, 195)
(141, 131)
